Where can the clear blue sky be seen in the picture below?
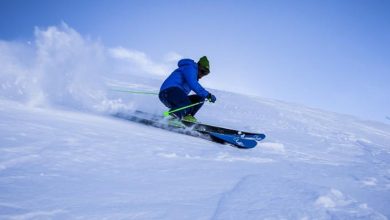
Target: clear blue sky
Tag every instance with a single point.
(331, 54)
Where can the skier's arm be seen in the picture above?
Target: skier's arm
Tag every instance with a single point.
(191, 76)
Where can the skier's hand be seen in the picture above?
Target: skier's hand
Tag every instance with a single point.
(211, 98)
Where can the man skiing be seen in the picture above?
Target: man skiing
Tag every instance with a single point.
(175, 89)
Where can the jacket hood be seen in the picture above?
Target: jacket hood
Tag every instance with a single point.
(185, 62)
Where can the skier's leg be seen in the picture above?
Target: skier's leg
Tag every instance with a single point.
(175, 98)
(195, 99)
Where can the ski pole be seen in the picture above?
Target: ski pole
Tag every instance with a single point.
(135, 92)
(181, 108)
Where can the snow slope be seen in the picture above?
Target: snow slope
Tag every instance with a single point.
(62, 156)
(58, 164)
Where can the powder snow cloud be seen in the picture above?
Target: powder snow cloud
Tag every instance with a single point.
(56, 68)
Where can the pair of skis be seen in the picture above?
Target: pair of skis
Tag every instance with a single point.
(240, 139)
(236, 138)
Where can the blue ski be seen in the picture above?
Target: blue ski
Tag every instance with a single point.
(235, 140)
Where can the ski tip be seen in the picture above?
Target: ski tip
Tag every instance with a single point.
(257, 137)
(235, 140)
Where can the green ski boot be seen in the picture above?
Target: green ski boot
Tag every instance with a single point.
(189, 118)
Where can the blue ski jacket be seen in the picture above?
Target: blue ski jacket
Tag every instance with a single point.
(185, 78)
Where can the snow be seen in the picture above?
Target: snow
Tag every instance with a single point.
(62, 156)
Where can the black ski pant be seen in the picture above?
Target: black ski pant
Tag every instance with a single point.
(175, 98)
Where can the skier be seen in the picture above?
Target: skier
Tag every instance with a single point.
(175, 89)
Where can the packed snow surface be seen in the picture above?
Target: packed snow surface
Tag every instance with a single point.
(62, 156)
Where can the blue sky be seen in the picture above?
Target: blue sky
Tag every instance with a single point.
(329, 54)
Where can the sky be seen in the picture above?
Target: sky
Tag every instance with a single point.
(332, 54)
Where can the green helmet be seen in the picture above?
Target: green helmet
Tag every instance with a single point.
(204, 64)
